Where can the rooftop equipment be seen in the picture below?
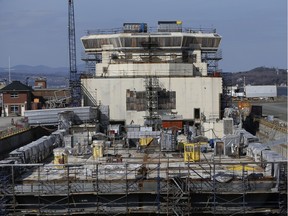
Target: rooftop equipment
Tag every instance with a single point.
(60, 156)
(168, 140)
(134, 27)
(97, 148)
(170, 26)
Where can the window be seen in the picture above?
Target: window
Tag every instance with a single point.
(14, 95)
(14, 109)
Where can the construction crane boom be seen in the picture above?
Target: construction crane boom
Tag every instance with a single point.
(74, 80)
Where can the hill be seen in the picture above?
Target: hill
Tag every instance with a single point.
(58, 77)
(257, 76)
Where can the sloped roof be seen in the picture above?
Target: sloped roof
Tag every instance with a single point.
(16, 86)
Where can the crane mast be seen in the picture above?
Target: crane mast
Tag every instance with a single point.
(74, 80)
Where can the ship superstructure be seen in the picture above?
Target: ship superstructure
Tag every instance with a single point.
(143, 72)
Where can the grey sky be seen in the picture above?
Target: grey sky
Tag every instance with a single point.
(34, 32)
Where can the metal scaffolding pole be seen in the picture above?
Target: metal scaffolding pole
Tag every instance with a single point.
(182, 194)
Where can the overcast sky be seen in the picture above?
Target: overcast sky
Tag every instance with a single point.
(34, 32)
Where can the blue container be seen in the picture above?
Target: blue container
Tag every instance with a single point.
(211, 143)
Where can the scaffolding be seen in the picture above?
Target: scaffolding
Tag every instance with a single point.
(59, 100)
(212, 59)
(121, 188)
(152, 89)
(90, 63)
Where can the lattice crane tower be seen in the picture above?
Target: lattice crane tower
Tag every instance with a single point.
(74, 80)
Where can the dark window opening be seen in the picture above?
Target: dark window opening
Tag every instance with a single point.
(197, 113)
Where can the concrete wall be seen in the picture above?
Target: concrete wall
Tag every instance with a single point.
(10, 143)
(191, 92)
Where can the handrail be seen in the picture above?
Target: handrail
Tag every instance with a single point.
(12, 131)
(151, 30)
(88, 94)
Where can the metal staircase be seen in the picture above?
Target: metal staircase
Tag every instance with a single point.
(90, 100)
(179, 197)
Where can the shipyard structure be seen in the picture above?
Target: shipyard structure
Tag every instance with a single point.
(154, 75)
(152, 136)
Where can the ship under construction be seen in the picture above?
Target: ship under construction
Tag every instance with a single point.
(153, 136)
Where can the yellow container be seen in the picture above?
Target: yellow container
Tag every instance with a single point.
(192, 152)
(60, 156)
(97, 148)
(145, 141)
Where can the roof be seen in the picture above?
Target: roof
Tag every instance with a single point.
(48, 93)
(16, 86)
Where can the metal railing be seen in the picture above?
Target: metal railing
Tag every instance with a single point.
(11, 131)
(152, 30)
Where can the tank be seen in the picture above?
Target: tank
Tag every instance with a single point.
(60, 156)
(97, 148)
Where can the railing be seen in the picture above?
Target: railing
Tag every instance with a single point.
(152, 30)
(280, 126)
(89, 95)
(11, 131)
(78, 180)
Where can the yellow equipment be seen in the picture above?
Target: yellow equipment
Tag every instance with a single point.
(60, 156)
(97, 148)
(244, 168)
(192, 152)
(145, 141)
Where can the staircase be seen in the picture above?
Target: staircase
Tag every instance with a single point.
(179, 198)
(90, 99)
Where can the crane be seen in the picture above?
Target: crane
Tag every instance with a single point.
(74, 80)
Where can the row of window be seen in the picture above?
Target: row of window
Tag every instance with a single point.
(150, 41)
(14, 95)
